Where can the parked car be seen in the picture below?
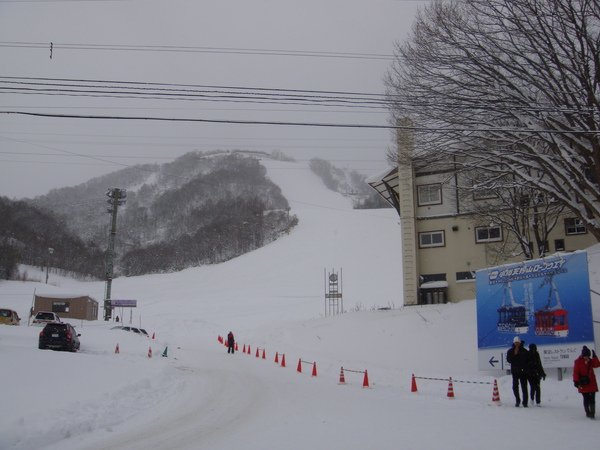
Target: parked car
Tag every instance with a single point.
(59, 336)
(45, 317)
(9, 317)
(131, 329)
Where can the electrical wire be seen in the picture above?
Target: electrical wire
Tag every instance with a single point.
(194, 49)
(417, 129)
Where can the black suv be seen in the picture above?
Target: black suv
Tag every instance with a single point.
(59, 336)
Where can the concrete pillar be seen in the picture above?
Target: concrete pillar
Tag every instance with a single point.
(406, 190)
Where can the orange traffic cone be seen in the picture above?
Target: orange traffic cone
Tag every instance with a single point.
(314, 371)
(496, 393)
(299, 368)
(342, 378)
(153, 335)
(366, 380)
(450, 388)
(244, 349)
(149, 352)
(283, 360)
(117, 349)
(276, 357)
(264, 356)
(413, 384)
(257, 355)
(236, 347)
(248, 351)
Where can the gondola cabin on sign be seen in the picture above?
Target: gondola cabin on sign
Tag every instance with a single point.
(512, 316)
(552, 320)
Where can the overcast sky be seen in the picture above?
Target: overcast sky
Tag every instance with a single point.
(305, 45)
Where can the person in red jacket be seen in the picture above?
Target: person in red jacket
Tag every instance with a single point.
(584, 379)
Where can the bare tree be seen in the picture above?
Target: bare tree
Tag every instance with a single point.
(526, 212)
(509, 87)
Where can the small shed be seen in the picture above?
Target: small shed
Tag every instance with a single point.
(67, 306)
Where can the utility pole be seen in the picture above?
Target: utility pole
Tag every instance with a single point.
(116, 198)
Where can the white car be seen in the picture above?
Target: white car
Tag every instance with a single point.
(131, 329)
(44, 317)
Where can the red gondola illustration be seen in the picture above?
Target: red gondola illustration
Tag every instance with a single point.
(552, 321)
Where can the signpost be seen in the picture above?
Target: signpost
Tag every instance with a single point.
(544, 301)
(124, 304)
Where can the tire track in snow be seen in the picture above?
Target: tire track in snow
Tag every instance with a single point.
(214, 401)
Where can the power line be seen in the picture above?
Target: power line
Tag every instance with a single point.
(194, 49)
(304, 124)
(260, 95)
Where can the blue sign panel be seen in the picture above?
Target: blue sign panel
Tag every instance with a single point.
(544, 301)
(123, 303)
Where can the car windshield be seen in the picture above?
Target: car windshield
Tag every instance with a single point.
(4, 312)
(45, 316)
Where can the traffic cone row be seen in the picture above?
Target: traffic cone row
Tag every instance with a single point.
(164, 353)
(450, 393)
(314, 368)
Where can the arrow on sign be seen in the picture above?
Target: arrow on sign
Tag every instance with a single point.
(493, 361)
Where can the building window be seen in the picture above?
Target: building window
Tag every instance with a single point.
(429, 194)
(432, 239)
(60, 307)
(559, 245)
(488, 234)
(465, 276)
(430, 277)
(574, 226)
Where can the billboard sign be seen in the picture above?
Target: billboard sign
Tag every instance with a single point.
(543, 301)
(123, 303)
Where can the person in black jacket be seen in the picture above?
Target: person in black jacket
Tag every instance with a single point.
(518, 358)
(535, 373)
(230, 343)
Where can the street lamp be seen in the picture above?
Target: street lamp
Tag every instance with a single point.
(50, 250)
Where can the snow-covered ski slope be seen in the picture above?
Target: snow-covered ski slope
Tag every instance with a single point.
(200, 397)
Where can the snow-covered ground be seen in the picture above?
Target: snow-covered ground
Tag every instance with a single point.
(200, 397)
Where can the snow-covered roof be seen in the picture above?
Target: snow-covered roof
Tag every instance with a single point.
(60, 295)
(386, 184)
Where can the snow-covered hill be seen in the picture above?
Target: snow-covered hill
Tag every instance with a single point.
(199, 397)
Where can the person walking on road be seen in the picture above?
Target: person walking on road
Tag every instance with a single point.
(518, 358)
(584, 379)
(230, 343)
(535, 373)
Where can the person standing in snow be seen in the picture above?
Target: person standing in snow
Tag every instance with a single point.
(230, 343)
(584, 379)
(535, 373)
(518, 358)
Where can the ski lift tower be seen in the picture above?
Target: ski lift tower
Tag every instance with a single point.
(334, 301)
